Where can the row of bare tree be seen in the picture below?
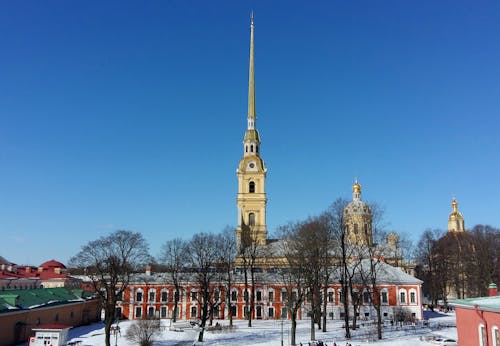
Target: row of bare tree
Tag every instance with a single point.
(307, 257)
(458, 264)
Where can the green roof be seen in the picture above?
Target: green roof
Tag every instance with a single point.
(483, 303)
(33, 298)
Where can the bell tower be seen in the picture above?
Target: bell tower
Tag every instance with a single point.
(455, 220)
(251, 172)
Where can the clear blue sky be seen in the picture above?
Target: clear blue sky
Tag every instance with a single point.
(131, 114)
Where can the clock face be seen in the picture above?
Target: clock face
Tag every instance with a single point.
(251, 165)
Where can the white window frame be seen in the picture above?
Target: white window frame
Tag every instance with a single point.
(151, 290)
(154, 311)
(274, 295)
(386, 291)
(481, 329)
(405, 302)
(141, 291)
(414, 291)
(135, 312)
(166, 311)
(164, 290)
(493, 336)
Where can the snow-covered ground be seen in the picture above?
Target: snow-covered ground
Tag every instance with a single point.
(267, 333)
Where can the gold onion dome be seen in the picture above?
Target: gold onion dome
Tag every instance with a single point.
(356, 187)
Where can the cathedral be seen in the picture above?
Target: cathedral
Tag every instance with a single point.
(150, 294)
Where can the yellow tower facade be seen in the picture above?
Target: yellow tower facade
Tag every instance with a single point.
(251, 172)
(358, 219)
(455, 220)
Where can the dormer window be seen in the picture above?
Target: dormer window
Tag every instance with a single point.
(251, 187)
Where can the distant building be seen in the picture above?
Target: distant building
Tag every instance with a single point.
(47, 275)
(151, 295)
(478, 319)
(24, 310)
(455, 220)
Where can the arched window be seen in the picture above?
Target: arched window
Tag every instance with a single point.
(257, 149)
(251, 148)
(246, 148)
(384, 296)
(402, 296)
(495, 336)
(251, 219)
(138, 296)
(251, 187)
(366, 229)
(413, 296)
(482, 335)
(355, 228)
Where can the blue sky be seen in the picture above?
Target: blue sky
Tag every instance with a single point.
(131, 114)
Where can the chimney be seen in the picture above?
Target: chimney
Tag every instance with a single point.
(148, 270)
(492, 290)
(40, 269)
(28, 269)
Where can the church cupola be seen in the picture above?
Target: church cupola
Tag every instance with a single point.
(358, 219)
(455, 220)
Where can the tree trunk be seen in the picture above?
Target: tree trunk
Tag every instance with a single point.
(176, 301)
(313, 330)
(108, 320)
(293, 328)
(325, 297)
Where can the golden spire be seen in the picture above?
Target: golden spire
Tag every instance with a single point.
(251, 80)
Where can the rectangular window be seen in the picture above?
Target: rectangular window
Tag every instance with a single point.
(138, 312)
(151, 312)
(366, 297)
(193, 295)
(138, 297)
(151, 296)
(284, 312)
(193, 312)
(341, 296)
(233, 296)
(384, 297)
(412, 298)
(271, 296)
(294, 296)
(402, 297)
(496, 337)
(271, 312)
(216, 295)
(259, 296)
(164, 296)
(233, 311)
(284, 296)
(163, 312)
(330, 297)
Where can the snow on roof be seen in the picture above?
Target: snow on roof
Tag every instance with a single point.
(483, 303)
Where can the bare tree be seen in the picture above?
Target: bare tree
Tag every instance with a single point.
(174, 256)
(110, 262)
(344, 253)
(427, 265)
(228, 252)
(292, 274)
(205, 256)
(249, 253)
(143, 331)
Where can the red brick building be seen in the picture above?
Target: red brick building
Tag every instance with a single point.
(152, 295)
(478, 319)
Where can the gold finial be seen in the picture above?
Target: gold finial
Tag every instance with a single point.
(454, 204)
